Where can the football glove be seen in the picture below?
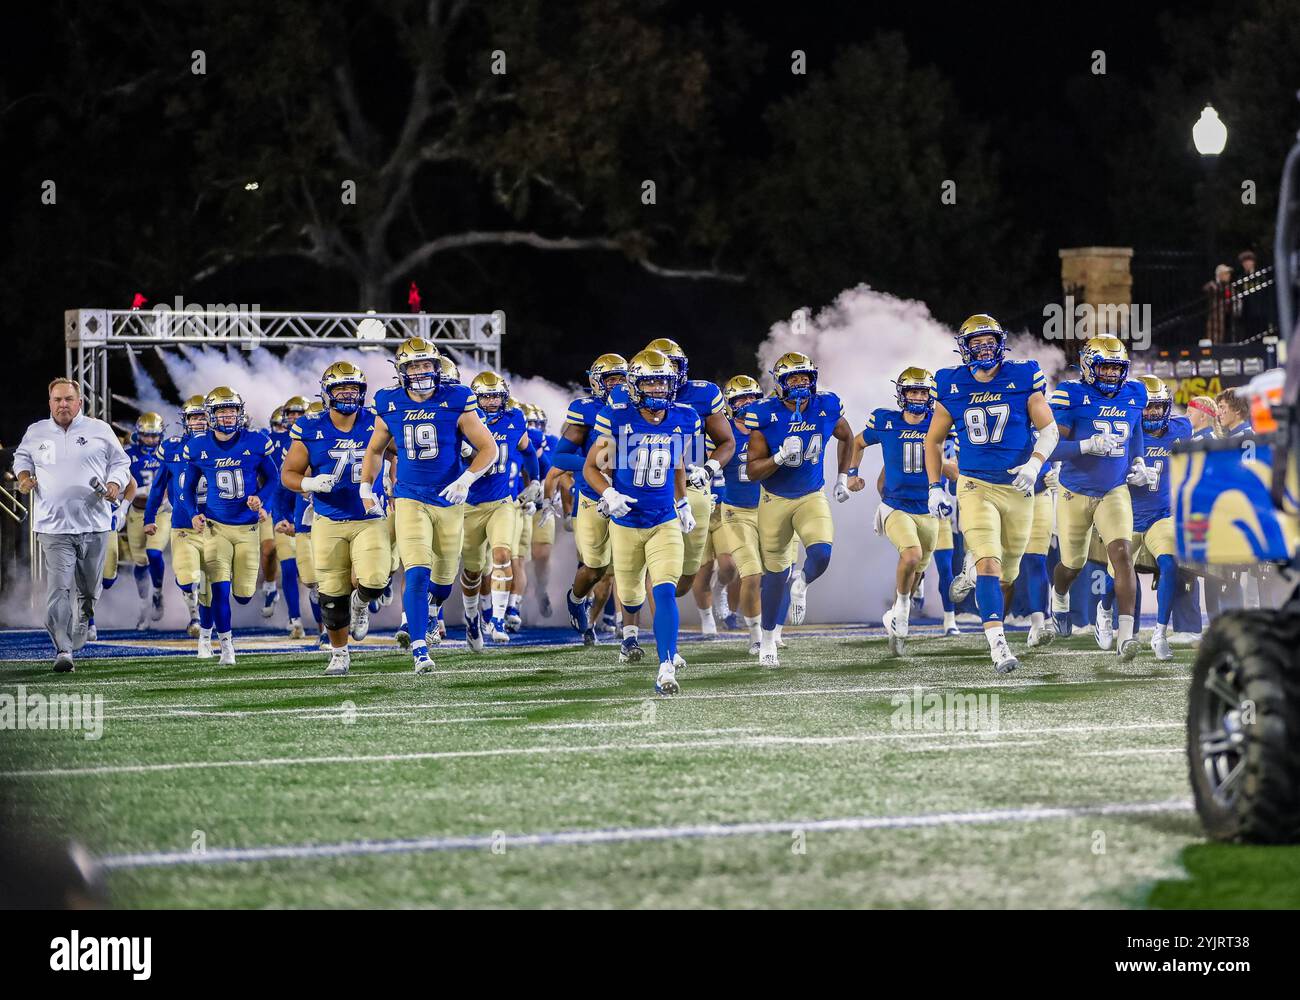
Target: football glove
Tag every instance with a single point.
(791, 448)
(615, 504)
(1026, 476)
(1053, 478)
(842, 488)
(456, 492)
(939, 502)
(1101, 443)
(684, 515)
(1137, 473)
(318, 484)
(531, 493)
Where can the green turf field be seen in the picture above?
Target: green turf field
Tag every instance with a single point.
(799, 787)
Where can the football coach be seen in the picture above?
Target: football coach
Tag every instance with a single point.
(56, 463)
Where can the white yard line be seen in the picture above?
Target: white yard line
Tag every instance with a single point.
(669, 745)
(500, 840)
(1132, 752)
(978, 746)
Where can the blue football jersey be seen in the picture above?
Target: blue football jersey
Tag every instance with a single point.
(737, 490)
(303, 510)
(582, 413)
(1151, 503)
(172, 466)
(646, 453)
(1082, 411)
(281, 440)
(507, 427)
(332, 452)
(994, 431)
(902, 445)
(231, 469)
(427, 439)
(145, 464)
(813, 424)
(704, 397)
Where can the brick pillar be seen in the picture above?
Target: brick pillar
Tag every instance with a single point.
(1099, 276)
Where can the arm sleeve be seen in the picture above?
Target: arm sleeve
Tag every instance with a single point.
(189, 490)
(543, 462)
(1137, 444)
(529, 456)
(569, 457)
(1065, 449)
(271, 482)
(156, 491)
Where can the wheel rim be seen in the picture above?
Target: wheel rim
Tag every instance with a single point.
(1222, 738)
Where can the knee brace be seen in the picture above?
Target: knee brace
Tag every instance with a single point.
(370, 593)
(335, 611)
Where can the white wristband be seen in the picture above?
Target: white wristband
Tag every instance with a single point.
(714, 466)
(367, 490)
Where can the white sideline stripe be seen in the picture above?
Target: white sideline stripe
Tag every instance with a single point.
(647, 833)
(977, 746)
(686, 697)
(1132, 752)
(673, 745)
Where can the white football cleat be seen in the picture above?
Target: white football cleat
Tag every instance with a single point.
(474, 633)
(894, 633)
(964, 582)
(1041, 635)
(496, 631)
(204, 649)
(1160, 646)
(678, 662)
(1104, 630)
(359, 627)
(798, 597)
(1003, 660)
(666, 682)
(768, 660)
(157, 611)
(1127, 649)
(1178, 638)
(339, 662)
(423, 665)
(227, 652)
(142, 620)
(192, 629)
(432, 637)
(296, 630)
(755, 648)
(268, 602)
(780, 643)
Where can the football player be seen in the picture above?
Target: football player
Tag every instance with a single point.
(1101, 447)
(641, 447)
(1203, 415)
(706, 457)
(525, 496)
(995, 404)
(903, 514)
(543, 522)
(347, 542)
(241, 477)
(426, 421)
(590, 529)
(802, 419)
(738, 536)
(491, 517)
(187, 544)
(147, 550)
(278, 546)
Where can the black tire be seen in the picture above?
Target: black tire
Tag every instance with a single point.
(1246, 775)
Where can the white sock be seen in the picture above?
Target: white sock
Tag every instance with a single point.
(192, 603)
(755, 628)
(994, 636)
(205, 634)
(268, 587)
(949, 620)
(1125, 628)
(500, 598)
(1036, 620)
(723, 605)
(631, 631)
(767, 640)
(471, 604)
(777, 631)
(514, 600)
(902, 606)
(1159, 631)
(226, 636)
(1060, 602)
(707, 624)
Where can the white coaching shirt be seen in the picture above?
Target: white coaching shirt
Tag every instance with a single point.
(64, 462)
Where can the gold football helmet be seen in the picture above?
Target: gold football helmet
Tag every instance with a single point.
(645, 368)
(740, 391)
(225, 409)
(673, 351)
(513, 404)
(149, 429)
(536, 416)
(194, 415)
(491, 386)
(915, 378)
(1160, 403)
(1109, 353)
(414, 350)
(789, 365)
(605, 372)
(293, 408)
(448, 373)
(315, 408)
(986, 355)
(277, 419)
(343, 387)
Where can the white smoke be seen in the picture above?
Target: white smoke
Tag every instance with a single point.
(861, 342)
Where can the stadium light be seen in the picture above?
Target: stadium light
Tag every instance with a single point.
(1209, 134)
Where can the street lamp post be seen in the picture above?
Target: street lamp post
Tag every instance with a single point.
(1210, 135)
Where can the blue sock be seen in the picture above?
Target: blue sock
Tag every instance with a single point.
(221, 606)
(415, 601)
(988, 595)
(1034, 568)
(438, 593)
(1108, 595)
(289, 584)
(205, 615)
(816, 559)
(609, 605)
(667, 620)
(315, 610)
(943, 563)
(156, 568)
(774, 597)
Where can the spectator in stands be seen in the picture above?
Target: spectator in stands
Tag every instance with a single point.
(1217, 294)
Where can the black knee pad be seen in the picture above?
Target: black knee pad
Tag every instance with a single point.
(370, 593)
(335, 612)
